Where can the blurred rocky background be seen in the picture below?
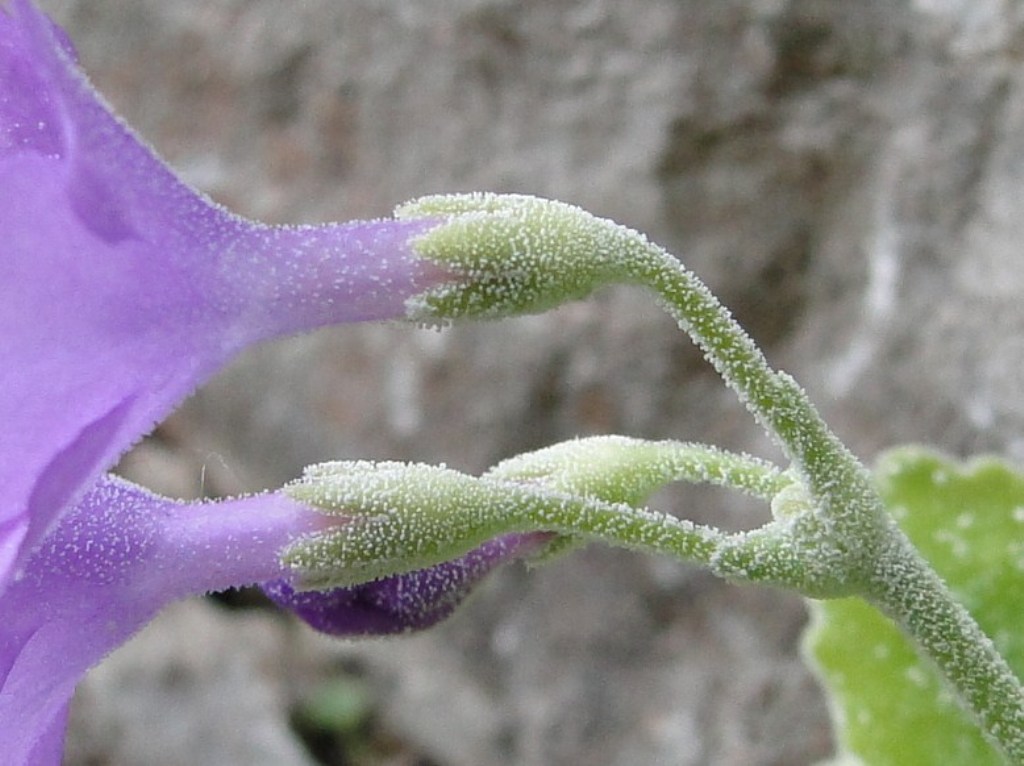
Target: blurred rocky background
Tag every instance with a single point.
(847, 176)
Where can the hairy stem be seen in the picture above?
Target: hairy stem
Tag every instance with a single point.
(851, 514)
(909, 591)
(514, 254)
(395, 518)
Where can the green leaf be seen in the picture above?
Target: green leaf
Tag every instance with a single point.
(888, 705)
(338, 706)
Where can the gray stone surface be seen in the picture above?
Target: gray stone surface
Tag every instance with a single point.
(198, 687)
(845, 175)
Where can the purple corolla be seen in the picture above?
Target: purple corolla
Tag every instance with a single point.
(122, 290)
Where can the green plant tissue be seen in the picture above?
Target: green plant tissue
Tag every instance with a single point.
(888, 705)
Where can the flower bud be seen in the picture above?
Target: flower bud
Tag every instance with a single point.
(514, 254)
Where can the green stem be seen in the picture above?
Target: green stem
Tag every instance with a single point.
(623, 470)
(636, 529)
(850, 513)
(909, 591)
(833, 475)
(396, 518)
(513, 254)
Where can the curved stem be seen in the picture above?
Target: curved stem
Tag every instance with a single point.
(908, 590)
(833, 475)
(589, 489)
(397, 518)
(638, 529)
(875, 552)
(624, 470)
(516, 254)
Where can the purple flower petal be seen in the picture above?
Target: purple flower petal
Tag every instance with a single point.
(110, 564)
(405, 602)
(124, 288)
